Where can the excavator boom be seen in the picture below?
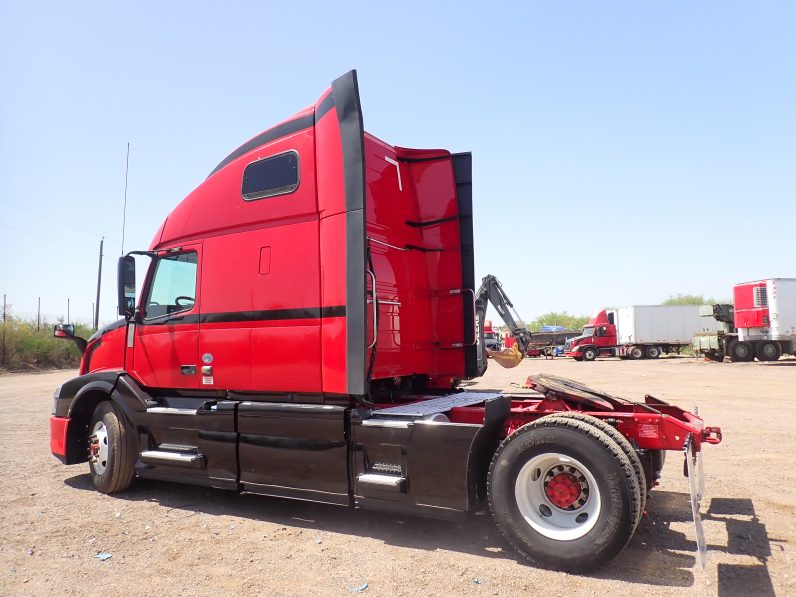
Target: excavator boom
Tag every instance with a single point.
(491, 291)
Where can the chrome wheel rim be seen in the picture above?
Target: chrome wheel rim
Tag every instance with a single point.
(98, 448)
(557, 496)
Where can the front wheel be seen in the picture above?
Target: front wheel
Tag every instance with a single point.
(564, 494)
(589, 354)
(111, 453)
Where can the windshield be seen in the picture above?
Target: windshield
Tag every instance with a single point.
(588, 331)
(489, 335)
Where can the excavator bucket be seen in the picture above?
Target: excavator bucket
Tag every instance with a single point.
(506, 358)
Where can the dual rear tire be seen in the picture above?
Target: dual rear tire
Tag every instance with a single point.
(567, 492)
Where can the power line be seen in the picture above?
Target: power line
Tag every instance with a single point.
(43, 215)
(53, 240)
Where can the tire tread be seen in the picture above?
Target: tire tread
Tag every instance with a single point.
(606, 442)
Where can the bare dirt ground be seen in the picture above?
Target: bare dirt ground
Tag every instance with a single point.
(168, 539)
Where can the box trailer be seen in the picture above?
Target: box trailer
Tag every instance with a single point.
(637, 332)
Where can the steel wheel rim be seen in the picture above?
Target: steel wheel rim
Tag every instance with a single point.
(769, 350)
(542, 514)
(98, 448)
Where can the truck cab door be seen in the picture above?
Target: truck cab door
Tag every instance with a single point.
(601, 337)
(166, 332)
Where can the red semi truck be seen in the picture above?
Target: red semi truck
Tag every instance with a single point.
(638, 332)
(305, 318)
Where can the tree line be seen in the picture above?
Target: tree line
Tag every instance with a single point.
(575, 322)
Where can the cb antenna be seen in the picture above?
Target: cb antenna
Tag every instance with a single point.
(124, 210)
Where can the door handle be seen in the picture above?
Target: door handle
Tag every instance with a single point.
(187, 369)
(206, 370)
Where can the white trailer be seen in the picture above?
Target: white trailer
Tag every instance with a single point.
(659, 324)
(638, 332)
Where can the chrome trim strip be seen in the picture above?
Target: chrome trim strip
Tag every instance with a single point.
(385, 423)
(168, 410)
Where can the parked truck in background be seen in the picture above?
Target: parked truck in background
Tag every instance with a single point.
(713, 344)
(550, 340)
(761, 324)
(306, 316)
(491, 338)
(637, 332)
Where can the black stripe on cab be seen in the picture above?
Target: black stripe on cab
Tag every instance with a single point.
(282, 130)
(273, 314)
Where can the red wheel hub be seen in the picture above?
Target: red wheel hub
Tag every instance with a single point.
(563, 490)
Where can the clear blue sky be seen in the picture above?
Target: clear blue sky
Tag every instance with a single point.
(623, 151)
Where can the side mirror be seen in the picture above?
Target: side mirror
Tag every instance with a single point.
(64, 330)
(67, 330)
(126, 286)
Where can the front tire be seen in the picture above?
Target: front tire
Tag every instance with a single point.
(589, 354)
(564, 494)
(111, 450)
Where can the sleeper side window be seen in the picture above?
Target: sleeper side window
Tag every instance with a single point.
(276, 175)
(173, 286)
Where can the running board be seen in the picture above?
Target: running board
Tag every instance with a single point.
(394, 482)
(166, 458)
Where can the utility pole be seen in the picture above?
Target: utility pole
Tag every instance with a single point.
(68, 319)
(99, 283)
(38, 317)
(4, 329)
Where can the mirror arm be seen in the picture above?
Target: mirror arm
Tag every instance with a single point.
(81, 344)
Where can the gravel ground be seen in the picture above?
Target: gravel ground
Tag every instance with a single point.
(168, 539)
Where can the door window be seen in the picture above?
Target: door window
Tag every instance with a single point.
(173, 285)
(601, 331)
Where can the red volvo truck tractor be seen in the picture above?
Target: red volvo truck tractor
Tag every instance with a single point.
(306, 315)
(638, 332)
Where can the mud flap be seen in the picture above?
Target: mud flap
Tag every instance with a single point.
(696, 490)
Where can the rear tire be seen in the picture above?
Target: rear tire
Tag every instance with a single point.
(768, 351)
(111, 450)
(564, 494)
(626, 447)
(653, 352)
(589, 354)
(741, 352)
(636, 353)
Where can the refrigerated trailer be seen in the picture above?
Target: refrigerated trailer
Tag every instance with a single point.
(761, 324)
(306, 316)
(638, 332)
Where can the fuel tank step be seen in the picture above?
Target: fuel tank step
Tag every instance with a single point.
(187, 459)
